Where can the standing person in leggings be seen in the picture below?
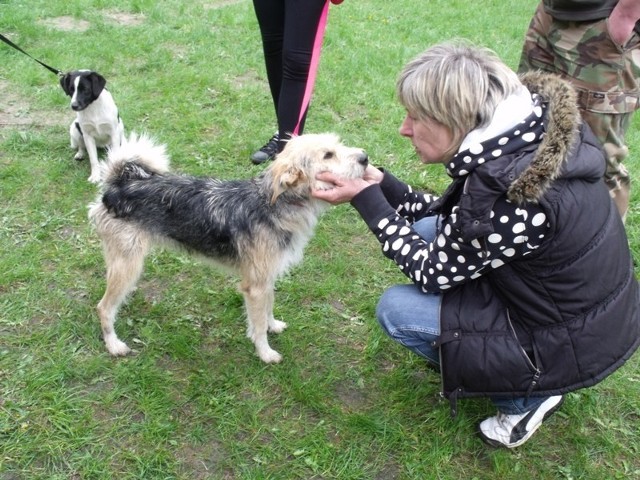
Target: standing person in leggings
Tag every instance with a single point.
(595, 45)
(522, 285)
(288, 29)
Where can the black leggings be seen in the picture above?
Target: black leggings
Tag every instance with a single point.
(288, 29)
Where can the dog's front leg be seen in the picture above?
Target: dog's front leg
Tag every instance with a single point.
(77, 142)
(258, 302)
(92, 151)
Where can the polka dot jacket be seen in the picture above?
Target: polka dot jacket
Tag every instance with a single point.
(391, 208)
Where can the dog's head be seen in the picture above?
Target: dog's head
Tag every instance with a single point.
(83, 86)
(304, 156)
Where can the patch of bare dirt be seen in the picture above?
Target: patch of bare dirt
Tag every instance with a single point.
(248, 78)
(66, 23)
(15, 110)
(203, 461)
(152, 290)
(126, 19)
(220, 4)
(71, 24)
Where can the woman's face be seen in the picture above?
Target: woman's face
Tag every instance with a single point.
(432, 140)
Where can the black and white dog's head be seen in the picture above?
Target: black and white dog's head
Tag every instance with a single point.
(83, 86)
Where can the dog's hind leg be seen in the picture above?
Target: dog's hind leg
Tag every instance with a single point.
(123, 272)
(258, 300)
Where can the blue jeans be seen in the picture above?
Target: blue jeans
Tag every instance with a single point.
(412, 318)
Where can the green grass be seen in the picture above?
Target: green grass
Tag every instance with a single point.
(195, 402)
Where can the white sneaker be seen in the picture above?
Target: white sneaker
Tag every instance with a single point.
(513, 430)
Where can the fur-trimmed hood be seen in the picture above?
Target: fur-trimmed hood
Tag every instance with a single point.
(562, 128)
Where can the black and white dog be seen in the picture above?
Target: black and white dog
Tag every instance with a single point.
(97, 123)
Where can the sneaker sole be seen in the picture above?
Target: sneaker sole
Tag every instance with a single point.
(496, 444)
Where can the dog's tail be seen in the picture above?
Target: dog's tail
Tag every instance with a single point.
(138, 150)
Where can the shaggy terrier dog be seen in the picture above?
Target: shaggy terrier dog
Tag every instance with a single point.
(256, 228)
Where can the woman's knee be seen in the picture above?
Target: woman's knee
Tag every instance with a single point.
(296, 64)
(405, 306)
(387, 307)
(411, 317)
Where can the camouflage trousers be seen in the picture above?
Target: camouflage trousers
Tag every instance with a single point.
(606, 76)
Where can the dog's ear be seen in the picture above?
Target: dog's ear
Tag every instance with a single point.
(66, 82)
(97, 84)
(286, 177)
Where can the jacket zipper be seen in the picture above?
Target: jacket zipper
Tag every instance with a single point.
(440, 349)
(524, 353)
(536, 370)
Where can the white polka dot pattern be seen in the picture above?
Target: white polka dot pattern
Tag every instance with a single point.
(448, 260)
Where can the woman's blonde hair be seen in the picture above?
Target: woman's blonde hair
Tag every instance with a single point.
(456, 84)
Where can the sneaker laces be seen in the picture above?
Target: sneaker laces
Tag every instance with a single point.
(502, 419)
(272, 145)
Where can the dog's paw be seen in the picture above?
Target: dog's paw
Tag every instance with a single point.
(79, 156)
(94, 178)
(117, 347)
(277, 326)
(270, 356)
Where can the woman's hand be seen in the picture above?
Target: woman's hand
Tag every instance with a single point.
(343, 190)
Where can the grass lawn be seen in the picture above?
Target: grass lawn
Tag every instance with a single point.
(195, 402)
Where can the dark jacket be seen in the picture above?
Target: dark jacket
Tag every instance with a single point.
(567, 315)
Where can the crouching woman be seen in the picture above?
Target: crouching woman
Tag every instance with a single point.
(523, 286)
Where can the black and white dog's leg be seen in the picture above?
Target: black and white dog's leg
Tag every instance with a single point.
(77, 142)
(92, 152)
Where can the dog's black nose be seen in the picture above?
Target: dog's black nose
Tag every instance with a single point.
(363, 159)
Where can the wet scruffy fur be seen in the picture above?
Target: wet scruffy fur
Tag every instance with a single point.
(256, 228)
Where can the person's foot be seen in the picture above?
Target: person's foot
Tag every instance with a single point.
(513, 430)
(267, 151)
